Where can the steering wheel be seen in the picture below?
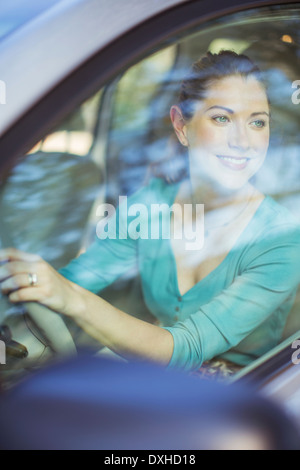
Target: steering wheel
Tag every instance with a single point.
(32, 334)
(52, 327)
(46, 328)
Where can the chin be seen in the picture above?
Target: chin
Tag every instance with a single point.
(234, 185)
(227, 184)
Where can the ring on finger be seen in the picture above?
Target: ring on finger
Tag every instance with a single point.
(32, 278)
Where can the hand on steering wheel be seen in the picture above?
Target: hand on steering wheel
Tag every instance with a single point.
(28, 278)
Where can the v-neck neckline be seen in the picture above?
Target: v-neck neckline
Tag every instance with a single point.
(225, 260)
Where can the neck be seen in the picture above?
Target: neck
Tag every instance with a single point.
(220, 207)
(198, 192)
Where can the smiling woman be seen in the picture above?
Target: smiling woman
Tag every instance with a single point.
(228, 299)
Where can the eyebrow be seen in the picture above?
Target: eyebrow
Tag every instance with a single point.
(230, 111)
(261, 112)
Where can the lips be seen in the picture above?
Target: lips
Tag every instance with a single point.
(234, 163)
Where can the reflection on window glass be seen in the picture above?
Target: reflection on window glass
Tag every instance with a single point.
(76, 134)
(138, 86)
(185, 207)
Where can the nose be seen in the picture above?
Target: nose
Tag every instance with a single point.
(238, 137)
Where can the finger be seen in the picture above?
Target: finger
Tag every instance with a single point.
(16, 282)
(31, 294)
(12, 268)
(12, 254)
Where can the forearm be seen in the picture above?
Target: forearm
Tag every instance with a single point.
(123, 333)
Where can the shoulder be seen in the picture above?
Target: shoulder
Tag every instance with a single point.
(273, 238)
(277, 213)
(273, 218)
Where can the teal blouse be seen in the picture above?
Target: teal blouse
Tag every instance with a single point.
(237, 312)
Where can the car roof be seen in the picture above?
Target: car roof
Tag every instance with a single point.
(48, 48)
(15, 13)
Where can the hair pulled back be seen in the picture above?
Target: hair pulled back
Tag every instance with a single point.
(207, 70)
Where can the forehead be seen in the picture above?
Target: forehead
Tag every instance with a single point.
(237, 93)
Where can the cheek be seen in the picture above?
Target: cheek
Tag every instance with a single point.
(209, 137)
(261, 141)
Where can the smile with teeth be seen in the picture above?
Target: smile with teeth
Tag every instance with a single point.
(235, 160)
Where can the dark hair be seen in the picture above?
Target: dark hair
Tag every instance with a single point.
(207, 70)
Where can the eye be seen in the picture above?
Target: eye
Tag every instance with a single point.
(259, 123)
(220, 119)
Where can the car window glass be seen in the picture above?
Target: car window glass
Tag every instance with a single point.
(122, 137)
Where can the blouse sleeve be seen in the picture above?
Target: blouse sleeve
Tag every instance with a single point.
(270, 274)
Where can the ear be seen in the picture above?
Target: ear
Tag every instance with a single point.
(179, 125)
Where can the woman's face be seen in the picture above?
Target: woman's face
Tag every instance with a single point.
(228, 136)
